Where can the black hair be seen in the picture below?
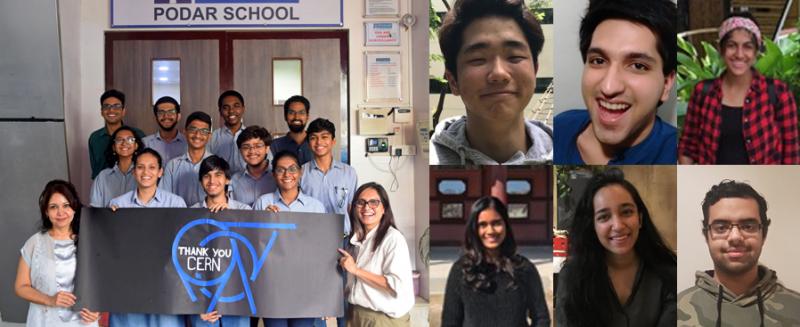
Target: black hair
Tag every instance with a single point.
(71, 194)
(659, 16)
(320, 125)
(111, 155)
(166, 99)
(588, 301)
(254, 132)
(743, 14)
(112, 93)
(358, 231)
(296, 98)
(465, 12)
(732, 189)
(282, 154)
(477, 268)
(213, 163)
(198, 115)
(149, 151)
(227, 94)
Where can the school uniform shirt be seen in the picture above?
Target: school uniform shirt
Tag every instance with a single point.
(181, 177)
(223, 144)
(167, 149)
(391, 260)
(659, 147)
(303, 203)
(111, 183)
(286, 143)
(334, 188)
(246, 189)
(232, 204)
(162, 199)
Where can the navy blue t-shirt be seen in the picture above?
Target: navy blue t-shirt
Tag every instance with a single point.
(660, 147)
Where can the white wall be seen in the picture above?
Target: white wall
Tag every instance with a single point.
(774, 183)
(569, 66)
(83, 46)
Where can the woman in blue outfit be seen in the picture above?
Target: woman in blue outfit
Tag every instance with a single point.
(46, 270)
(117, 179)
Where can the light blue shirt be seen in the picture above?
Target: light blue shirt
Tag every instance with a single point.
(223, 144)
(162, 199)
(181, 177)
(334, 188)
(111, 183)
(232, 204)
(167, 149)
(286, 143)
(246, 189)
(303, 203)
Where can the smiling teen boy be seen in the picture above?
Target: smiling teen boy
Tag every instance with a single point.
(629, 49)
(491, 50)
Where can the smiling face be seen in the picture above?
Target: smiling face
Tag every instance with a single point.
(214, 183)
(496, 76)
(623, 82)
(254, 151)
(616, 220)
(735, 253)
(112, 110)
(167, 116)
(147, 171)
(491, 229)
(739, 52)
(321, 143)
(122, 146)
(231, 111)
(297, 117)
(368, 216)
(198, 133)
(59, 211)
(287, 173)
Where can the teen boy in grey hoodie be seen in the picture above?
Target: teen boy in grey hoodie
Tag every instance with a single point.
(491, 50)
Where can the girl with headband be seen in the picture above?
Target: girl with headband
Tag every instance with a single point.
(740, 117)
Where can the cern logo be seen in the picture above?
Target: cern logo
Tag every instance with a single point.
(224, 262)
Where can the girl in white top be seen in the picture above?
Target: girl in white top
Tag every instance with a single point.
(379, 283)
(46, 270)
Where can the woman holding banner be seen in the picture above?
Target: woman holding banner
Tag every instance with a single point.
(379, 283)
(46, 270)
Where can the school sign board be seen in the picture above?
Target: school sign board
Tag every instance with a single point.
(189, 261)
(226, 13)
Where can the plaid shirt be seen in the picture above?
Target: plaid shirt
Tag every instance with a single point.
(770, 133)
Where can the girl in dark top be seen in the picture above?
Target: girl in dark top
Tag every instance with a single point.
(619, 271)
(740, 117)
(492, 285)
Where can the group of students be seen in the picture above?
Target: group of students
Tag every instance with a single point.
(302, 176)
(629, 51)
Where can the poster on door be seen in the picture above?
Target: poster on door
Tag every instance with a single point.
(226, 13)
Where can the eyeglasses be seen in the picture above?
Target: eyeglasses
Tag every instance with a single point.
(722, 229)
(293, 169)
(192, 129)
(115, 106)
(248, 147)
(374, 203)
(171, 112)
(297, 113)
(129, 140)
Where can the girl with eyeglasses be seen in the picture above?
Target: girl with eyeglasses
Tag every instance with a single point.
(116, 179)
(379, 287)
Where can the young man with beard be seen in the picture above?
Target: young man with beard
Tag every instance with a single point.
(180, 174)
(168, 141)
(256, 179)
(296, 110)
(628, 49)
(491, 50)
(112, 108)
(223, 140)
(739, 291)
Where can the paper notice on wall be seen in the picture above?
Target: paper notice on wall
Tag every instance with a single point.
(382, 8)
(383, 82)
(382, 34)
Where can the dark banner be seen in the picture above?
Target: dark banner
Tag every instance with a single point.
(183, 261)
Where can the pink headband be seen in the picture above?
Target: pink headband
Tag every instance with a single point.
(735, 22)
